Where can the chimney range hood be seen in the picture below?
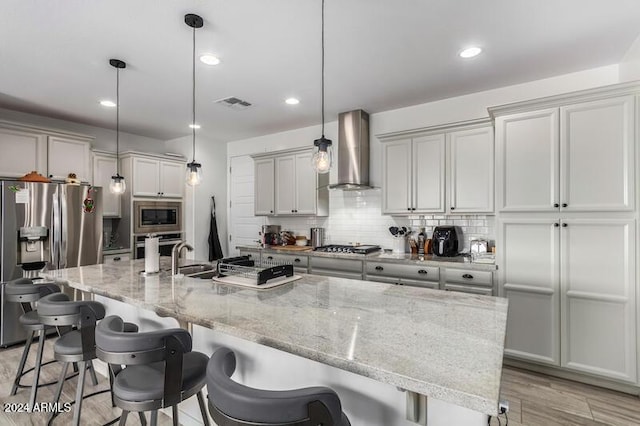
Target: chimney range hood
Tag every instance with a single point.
(353, 151)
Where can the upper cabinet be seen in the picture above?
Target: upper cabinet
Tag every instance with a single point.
(105, 166)
(570, 157)
(286, 184)
(153, 176)
(49, 152)
(435, 170)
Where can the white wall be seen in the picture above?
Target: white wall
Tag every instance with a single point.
(358, 217)
(212, 155)
(630, 64)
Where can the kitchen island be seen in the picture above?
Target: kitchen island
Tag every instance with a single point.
(389, 351)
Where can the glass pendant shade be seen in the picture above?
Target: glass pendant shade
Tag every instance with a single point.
(322, 156)
(117, 185)
(194, 173)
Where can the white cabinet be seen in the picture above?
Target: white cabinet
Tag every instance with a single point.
(264, 186)
(577, 157)
(105, 166)
(68, 155)
(22, 151)
(414, 169)
(154, 177)
(286, 184)
(569, 304)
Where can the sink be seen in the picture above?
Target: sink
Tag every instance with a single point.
(206, 275)
(195, 268)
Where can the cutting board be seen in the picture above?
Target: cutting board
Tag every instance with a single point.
(291, 248)
(251, 283)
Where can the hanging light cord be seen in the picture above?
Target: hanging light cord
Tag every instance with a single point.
(193, 97)
(322, 69)
(117, 121)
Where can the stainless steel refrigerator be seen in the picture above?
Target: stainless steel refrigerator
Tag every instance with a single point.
(44, 226)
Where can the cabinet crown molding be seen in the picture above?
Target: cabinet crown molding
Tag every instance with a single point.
(45, 130)
(282, 152)
(154, 156)
(610, 91)
(440, 128)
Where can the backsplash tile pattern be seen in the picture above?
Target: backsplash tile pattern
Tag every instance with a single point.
(356, 217)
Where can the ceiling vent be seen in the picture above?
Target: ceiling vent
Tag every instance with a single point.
(234, 103)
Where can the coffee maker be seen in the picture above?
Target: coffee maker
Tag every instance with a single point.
(270, 235)
(446, 241)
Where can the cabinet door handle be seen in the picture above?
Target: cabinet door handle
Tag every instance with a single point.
(556, 224)
(408, 208)
(270, 257)
(379, 268)
(564, 225)
(116, 259)
(297, 260)
(564, 204)
(467, 276)
(453, 208)
(271, 211)
(422, 271)
(556, 205)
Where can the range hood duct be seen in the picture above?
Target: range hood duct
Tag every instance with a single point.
(353, 151)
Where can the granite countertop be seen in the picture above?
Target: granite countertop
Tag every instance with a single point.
(446, 345)
(463, 262)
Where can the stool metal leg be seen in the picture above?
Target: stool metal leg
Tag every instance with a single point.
(56, 399)
(174, 414)
(203, 409)
(154, 418)
(94, 379)
(23, 360)
(36, 370)
(123, 418)
(143, 419)
(79, 392)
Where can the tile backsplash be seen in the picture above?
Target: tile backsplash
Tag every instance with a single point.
(356, 217)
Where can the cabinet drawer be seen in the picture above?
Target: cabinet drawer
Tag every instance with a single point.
(329, 264)
(411, 272)
(115, 258)
(253, 254)
(295, 260)
(469, 289)
(468, 276)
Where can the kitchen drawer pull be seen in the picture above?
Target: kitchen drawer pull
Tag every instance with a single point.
(564, 204)
(379, 268)
(408, 208)
(116, 259)
(564, 225)
(556, 224)
(556, 205)
(453, 208)
(467, 276)
(270, 257)
(297, 260)
(422, 271)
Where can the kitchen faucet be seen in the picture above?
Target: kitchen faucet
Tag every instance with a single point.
(175, 255)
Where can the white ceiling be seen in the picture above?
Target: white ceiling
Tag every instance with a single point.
(380, 55)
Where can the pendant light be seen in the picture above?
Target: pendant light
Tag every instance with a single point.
(323, 155)
(194, 169)
(117, 184)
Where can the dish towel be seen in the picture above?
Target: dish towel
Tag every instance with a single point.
(215, 249)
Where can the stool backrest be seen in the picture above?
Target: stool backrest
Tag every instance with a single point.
(115, 346)
(56, 309)
(23, 290)
(233, 404)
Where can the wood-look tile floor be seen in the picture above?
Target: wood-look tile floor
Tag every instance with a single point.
(534, 399)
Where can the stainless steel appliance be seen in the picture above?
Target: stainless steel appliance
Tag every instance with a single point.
(157, 216)
(353, 151)
(317, 237)
(44, 226)
(446, 241)
(270, 235)
(337, 248)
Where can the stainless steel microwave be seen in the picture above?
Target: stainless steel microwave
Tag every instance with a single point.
(157, 216)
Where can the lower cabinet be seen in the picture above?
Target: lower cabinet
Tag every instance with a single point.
(402, 274)
(570, 305)
(300, 263)
(468, 281)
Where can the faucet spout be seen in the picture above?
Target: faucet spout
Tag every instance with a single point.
(175, 255)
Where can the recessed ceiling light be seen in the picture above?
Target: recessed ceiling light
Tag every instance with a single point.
(209, 59)
(107, 103)
(194, 126)
(470, 52)
(292, 101)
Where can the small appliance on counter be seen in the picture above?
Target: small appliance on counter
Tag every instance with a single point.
(446, 241)
(270, 235)
(317, 237)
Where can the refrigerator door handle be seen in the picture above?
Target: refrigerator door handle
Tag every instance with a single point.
(54, 238)
(63, 233)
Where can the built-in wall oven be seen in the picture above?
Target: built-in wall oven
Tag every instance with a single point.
(157, 216)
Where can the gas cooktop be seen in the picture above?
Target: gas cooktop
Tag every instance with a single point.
(336, 248)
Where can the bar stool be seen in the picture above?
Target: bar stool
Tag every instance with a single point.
(233, 404)
(76, 346)
(161, 369)
(25, 292)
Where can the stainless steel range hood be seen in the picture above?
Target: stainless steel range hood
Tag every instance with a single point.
(353, 151)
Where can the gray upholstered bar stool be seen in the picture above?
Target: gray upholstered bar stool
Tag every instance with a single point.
(76, 346)
(25, 292)
(233, 404)
(161, 369)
